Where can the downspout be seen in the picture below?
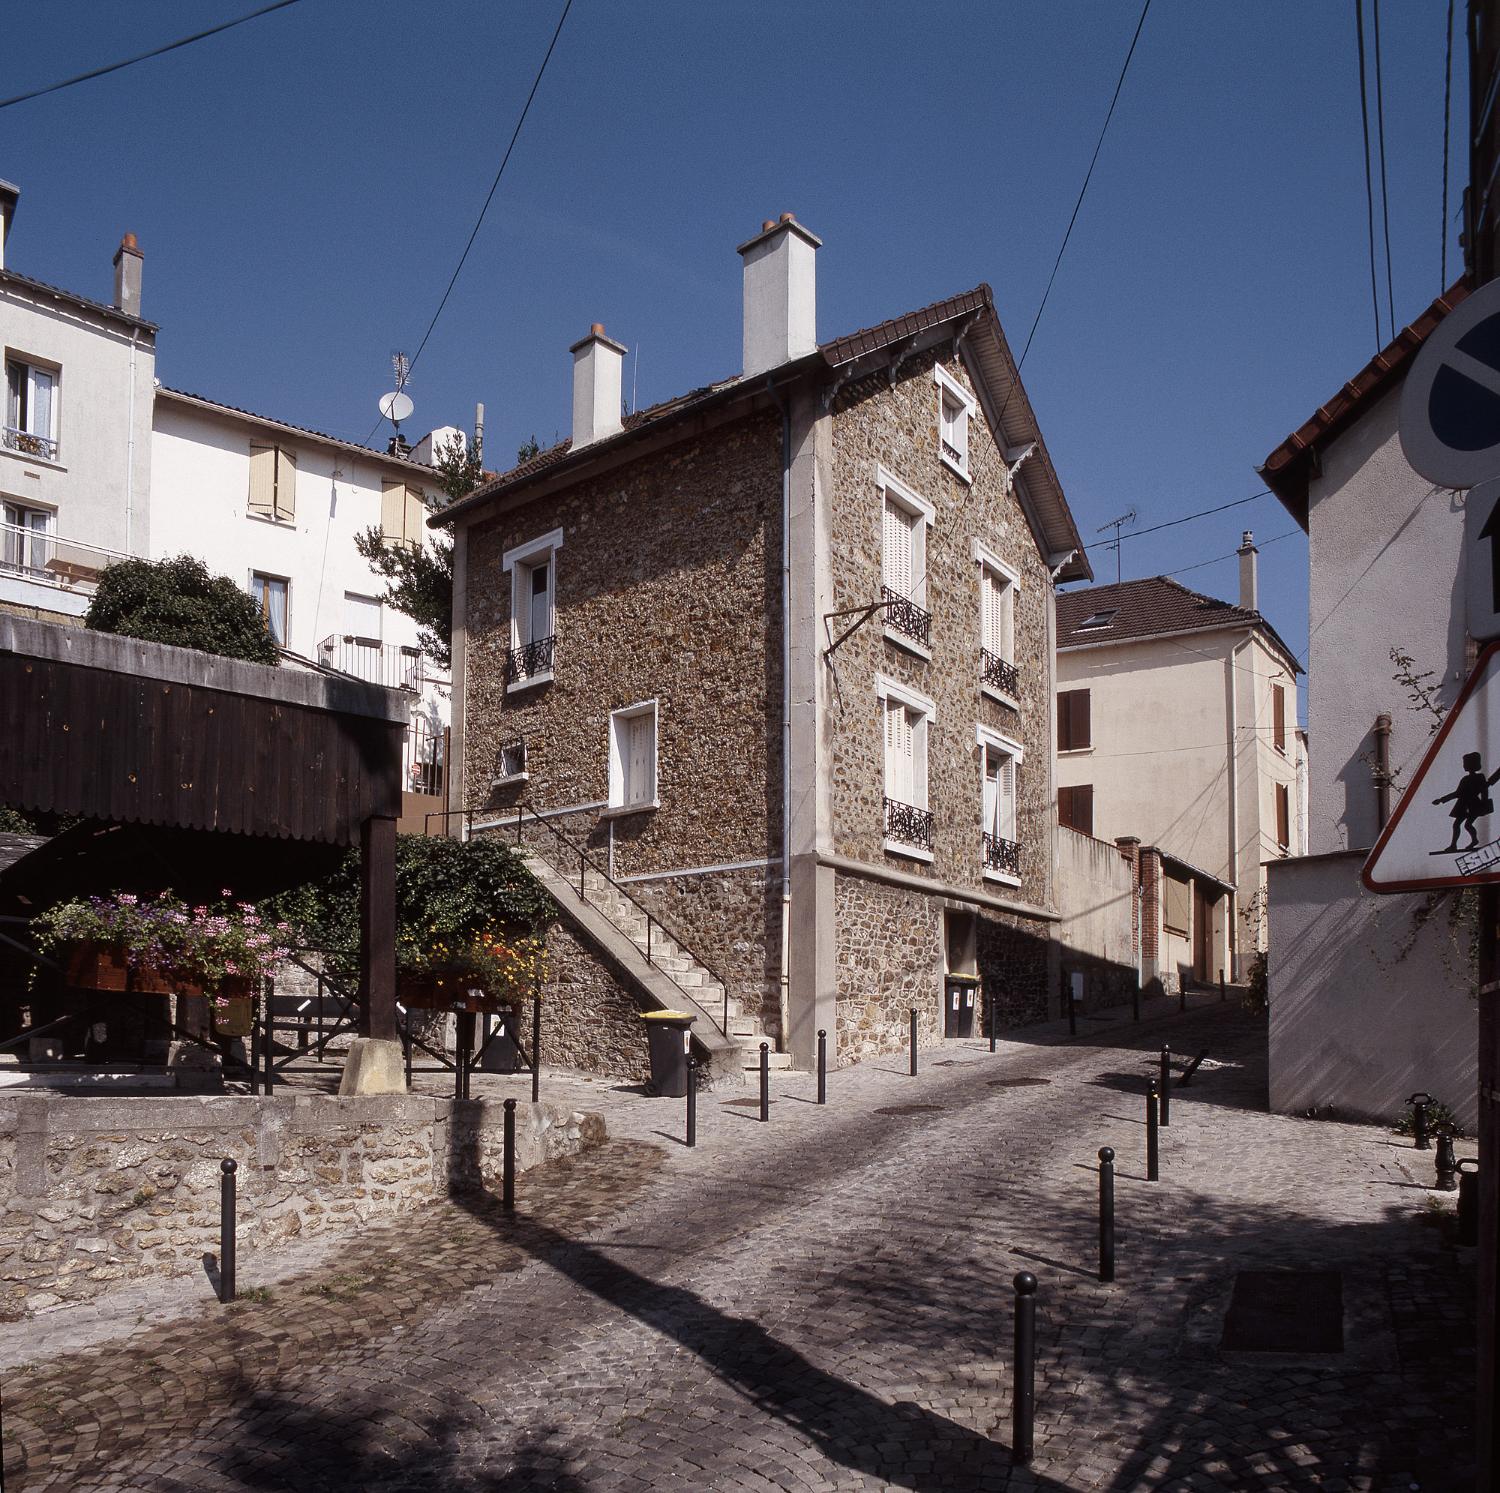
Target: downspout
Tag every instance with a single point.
(130, 448)
(784, 1013)
(1234, 802)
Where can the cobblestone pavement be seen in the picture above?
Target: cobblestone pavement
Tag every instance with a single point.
(824, 1302)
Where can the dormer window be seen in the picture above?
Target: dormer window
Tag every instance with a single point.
(955, 405)
(1096, 621)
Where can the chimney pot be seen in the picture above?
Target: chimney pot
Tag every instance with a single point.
(780, 295)
(128, 258)
(767, 225)
(598, 363)
(128, 242)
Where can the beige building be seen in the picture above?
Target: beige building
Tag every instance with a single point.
(1177, 727)
(770, 665)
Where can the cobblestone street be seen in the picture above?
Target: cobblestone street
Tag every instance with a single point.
(825, 1302)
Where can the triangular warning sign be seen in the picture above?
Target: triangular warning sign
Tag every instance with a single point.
(1446, 829)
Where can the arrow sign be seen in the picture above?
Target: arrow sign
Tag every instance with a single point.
(1446, 829)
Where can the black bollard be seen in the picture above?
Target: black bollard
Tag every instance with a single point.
(508, 1175)
(822, 1066)
(1223, 988)
(765, 1080)
(692, 1100)
(914, 1043)
(1135, 1000)
(227, 1169)
(1166, 1085)
(1446, 1163)
(255, 1053)
(1419, 1102)
(1153, 1139)
(1182, 998)
(1023, 1409)
(1072, 1013)
(1468, 1202)
(1106, 1213)
(990, 997)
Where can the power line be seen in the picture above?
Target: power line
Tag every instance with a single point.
(1172, 523)
(515, 134)
(1385, 198)
(1447, 132)
(1219, 559)
(1364, 120)
(1088, 177)
(171, 46)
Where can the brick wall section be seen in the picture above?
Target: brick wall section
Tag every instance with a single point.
(94, 1191)
(668, 587)
(897, 427)
(589, 1020)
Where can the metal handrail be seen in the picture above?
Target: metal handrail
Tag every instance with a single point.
(587, 863)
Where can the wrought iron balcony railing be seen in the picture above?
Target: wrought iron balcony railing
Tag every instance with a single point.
(907, 617)
(998, 673)
(907, 824)
(396, 666)
(1002, 855)
(528, 661)
(26, 443)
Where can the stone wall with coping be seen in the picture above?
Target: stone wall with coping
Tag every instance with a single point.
(1096, 897)
(99, 1190)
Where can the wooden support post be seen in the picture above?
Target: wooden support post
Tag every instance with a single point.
(377, 942)
(1488, 1449)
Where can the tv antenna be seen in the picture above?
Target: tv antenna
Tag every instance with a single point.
(1117, 524)
(397, 406)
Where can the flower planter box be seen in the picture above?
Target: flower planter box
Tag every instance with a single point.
(435, 990)
(95, 966)
(236, 1017)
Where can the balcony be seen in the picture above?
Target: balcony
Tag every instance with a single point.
(27, 444)
(396, 666)
(531, 661)
(39, 569)
(905, 824)
(424, 758)
(998, 674)
(1002, 856)
(906, 617)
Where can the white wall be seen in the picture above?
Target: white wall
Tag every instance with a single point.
(1384, 548)
(1367, 1004)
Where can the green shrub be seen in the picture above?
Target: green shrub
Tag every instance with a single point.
(1439, 1117)
(179, 602)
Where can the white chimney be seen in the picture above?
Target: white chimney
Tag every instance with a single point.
(128, 276)
(1249, 588)
(8, 197)
(781, 311)
(598, 362)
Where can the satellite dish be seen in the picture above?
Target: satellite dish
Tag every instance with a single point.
(396, 406)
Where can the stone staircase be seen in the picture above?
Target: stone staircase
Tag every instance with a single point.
(659, 968)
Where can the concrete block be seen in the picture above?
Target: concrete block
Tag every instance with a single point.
(375, 1065)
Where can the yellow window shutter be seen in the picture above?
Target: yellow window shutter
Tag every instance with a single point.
(262, 480)
(286, 484)
(392, 511)
(416, 517)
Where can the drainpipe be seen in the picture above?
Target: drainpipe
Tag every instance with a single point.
(1234, 798)
(130, 448)
(783, 996)
(1382, 770)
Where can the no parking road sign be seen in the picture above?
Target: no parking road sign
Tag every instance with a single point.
(1446, 829)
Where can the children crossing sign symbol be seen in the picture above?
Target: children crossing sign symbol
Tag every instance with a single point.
(1446, 829)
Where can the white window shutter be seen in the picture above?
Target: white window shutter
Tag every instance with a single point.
(392, 511)
(262, 480)
(286, 484)
(1006, 816)
(640, 770)
(41, 404)
(897, 550)
(991, 794)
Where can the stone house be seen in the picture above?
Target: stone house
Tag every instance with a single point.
(1177, 726)
(1371, 997)
(764, 672)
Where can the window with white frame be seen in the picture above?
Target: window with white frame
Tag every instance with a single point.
(955, 406)
(272, 595)
(533, 609)
(906, 716)
(30, 409)
(1000, 762)
(997, 625)
(903, 563)
(632, 757)
(25, 540)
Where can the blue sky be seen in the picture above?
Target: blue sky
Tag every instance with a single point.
(303, 185)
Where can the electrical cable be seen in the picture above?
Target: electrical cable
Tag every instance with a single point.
(1447, 134)
(1385, 198)
(536, 83)
(171, 46)
(1364, 119)
(1219, 560)
(1172, 523)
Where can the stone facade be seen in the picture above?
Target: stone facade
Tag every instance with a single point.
(589, 1020)
(889, 964)
(94, 1191)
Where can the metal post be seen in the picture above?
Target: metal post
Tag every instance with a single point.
(255, 1052)
(408, 1047)
(990, 998)
(508, 1175)
(1419, 1102)
(822, 1066)
(1072, 1008)
(1447, 1163)
(1468, 1202)
(692, 1100)
(1166, 1085)
(1153, 1139)
(1135, 1000)
(227, 1169)
(1023, 1409)
(270, 1046)
(765, 1080)
(914, 1043)
(1181, 997)
(1106, 1213)
(536, 1046)
(1223, 989)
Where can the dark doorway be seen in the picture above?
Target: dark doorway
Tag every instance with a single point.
(958, 1008)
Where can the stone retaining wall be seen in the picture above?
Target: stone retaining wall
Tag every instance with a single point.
(99, 1190)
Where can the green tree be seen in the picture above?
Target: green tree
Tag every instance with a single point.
(180, 602)
(419, 578)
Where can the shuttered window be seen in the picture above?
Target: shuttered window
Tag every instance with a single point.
(1283, 816)
(898, 553)
(996, 614)
(901, 753)
(1075, 808)
(632, 757)
(999, 794)
(403, 514)
(1074, 726)
(1278, 719)
(1178, 909)
(273, 482)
